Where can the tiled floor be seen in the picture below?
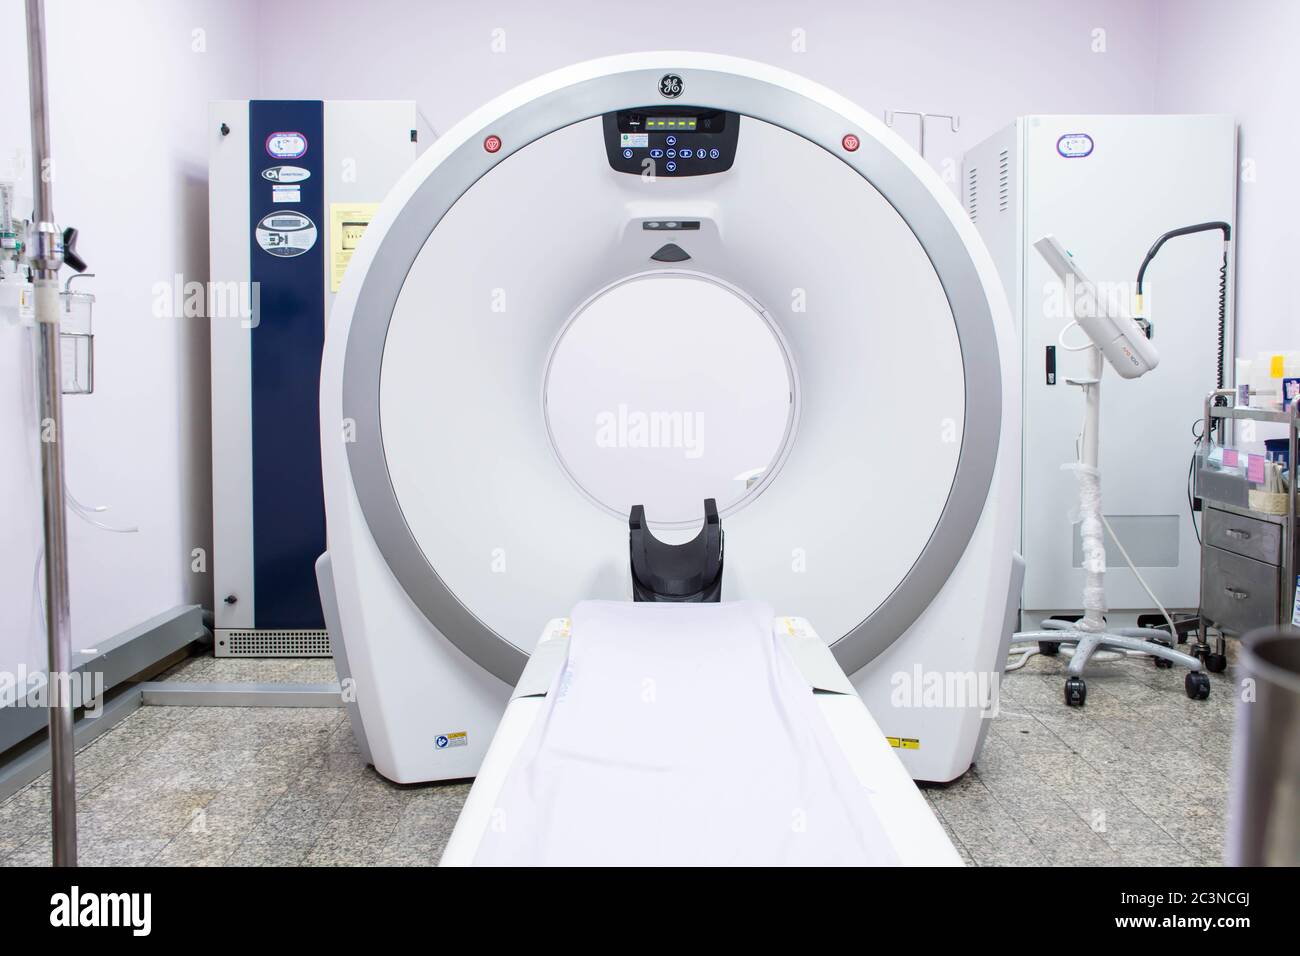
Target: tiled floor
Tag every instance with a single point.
(307, 670)
(1138, 776)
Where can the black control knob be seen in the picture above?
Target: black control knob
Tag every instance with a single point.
(70, 256)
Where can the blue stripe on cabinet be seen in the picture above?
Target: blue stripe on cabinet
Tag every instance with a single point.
(288, 501)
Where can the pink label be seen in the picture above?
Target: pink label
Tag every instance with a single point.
(1255, 469)
(1229, 458)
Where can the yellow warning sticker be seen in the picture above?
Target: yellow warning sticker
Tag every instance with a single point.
(904, 743)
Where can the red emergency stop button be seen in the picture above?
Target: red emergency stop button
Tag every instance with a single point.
(850, 142)
(492, 144)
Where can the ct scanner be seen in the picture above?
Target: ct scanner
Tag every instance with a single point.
(551, 319)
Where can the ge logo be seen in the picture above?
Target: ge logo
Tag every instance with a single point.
(441, 742)
(671, 86)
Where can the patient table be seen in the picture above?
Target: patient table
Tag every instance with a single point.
(904, 829)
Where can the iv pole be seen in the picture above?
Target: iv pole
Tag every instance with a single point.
(45, 256)
(1092, 633)
(954, 123)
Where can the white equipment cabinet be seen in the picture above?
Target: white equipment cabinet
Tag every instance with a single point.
(292, 186)
(1107, 187)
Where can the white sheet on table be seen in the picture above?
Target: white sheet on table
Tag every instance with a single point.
(681, 734)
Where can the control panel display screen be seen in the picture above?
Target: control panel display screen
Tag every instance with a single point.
(670, 123)
(672, 141)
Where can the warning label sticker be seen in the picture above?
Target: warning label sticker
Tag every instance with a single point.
(458, 739)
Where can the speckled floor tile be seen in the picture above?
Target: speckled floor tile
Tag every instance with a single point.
(1122, 825)
(277, 850)
(1136, 777)
(411, 854)
(1075, 848)
(165, 814)
(35, 851)
(194, 848)
(111, 852)
(205, 668)
(1018, 851)
(352, 841)
(441, 800)
(18, 825)
(1168, 853)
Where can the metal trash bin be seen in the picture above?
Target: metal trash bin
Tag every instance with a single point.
(1264, 803)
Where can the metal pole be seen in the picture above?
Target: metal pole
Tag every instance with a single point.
(45, 255)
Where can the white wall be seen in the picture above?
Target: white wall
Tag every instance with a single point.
(129, 83)
(1245, 61)
(986, 61)
(128, 96)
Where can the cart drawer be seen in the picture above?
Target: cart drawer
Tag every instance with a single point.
(1237, 593)
(1261, 540)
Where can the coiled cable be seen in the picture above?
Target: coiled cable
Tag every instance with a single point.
(1223, 311)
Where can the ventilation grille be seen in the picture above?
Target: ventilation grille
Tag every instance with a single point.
(972, 192)
(268, 643)
(1004, 181)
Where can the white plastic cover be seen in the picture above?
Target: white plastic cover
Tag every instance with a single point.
(1092, 537)
(681, 734)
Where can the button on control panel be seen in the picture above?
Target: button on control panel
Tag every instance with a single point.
(671, 141)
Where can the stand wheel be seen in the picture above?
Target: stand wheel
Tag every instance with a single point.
(1160, 661)
(1049, 648)
(1216, 663)
(1197, 685)
(1076, 691)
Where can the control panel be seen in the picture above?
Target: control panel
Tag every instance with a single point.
(671, 141)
